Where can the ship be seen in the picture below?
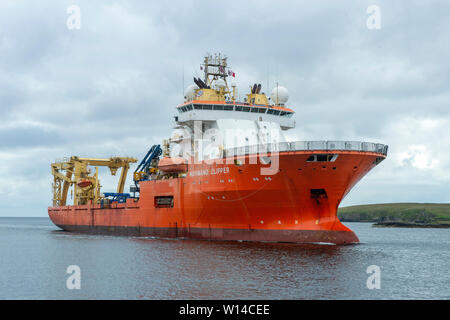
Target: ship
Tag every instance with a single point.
(227, 172)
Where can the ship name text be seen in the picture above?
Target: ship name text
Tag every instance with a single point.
(206, 172)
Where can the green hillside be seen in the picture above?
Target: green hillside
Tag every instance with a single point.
(431, 213)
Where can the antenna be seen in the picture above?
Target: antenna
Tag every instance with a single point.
(216, 68)
(277, 94)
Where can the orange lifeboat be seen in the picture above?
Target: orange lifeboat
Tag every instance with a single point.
(83, 183)
(172, 165)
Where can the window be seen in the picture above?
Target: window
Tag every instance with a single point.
(246, 109)
(322, 158)
(207, 107)
(189, 107)
(276, 112)
(270, 111)
(378, 160)
(262, 110)
(164, 202)
(218, 107)
(198, 107)
(254, 109)
(239, 108)
(228, 108)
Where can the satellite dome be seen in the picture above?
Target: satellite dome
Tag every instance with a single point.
(190, 92)
(279, 95)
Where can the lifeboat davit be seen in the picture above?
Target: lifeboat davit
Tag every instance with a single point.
(83, 183)
(173, 165)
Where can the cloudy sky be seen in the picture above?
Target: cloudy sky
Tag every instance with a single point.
(111, 86)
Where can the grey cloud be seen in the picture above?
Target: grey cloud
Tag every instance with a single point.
(19, 137)
(112, 86)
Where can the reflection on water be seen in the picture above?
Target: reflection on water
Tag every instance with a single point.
(35, 255)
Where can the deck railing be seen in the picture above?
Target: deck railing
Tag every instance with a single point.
(325, 146)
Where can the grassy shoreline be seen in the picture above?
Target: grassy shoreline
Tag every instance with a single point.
(399, 214)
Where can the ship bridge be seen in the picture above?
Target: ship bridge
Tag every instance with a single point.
(212, 119)
(218, 125)
(211, 111)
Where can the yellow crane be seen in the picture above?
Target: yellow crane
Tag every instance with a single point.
(86, 186)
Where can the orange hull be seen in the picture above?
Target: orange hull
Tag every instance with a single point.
(235, 202)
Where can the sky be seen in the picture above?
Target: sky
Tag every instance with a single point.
(109, 85)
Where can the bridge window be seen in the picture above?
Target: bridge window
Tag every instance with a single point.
(235, 108)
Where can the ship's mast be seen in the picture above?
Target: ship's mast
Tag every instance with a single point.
(216, 68)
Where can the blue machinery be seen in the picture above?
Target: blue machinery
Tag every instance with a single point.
(146, 167)
(116, 197)
(143, 167)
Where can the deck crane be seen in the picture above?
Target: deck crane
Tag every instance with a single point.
(148, 165)
(75, 172)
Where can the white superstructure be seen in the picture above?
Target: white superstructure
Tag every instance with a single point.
(211, 120)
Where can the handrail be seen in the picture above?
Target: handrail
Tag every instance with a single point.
(308, 146)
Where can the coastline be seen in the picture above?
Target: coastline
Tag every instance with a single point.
(397, 224)
(399, 215)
